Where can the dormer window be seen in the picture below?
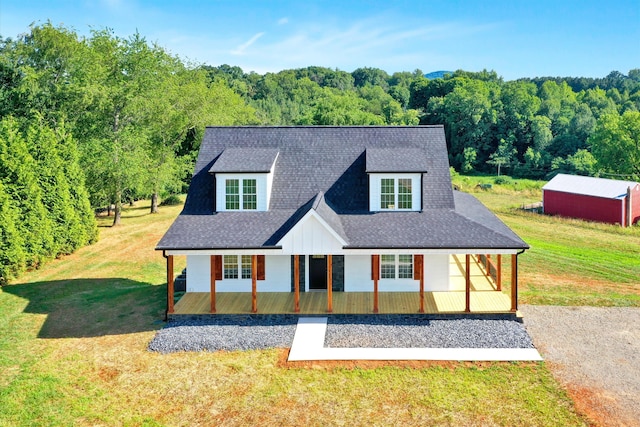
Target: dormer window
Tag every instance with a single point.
(396, 194)
(244, 178)
(241, 197)
(395, 178)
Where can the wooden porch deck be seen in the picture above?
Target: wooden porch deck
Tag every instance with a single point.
(484, 298)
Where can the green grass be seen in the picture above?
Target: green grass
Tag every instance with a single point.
(571, 262)
(73, 340)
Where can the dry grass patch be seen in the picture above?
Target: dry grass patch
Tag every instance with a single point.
(73, 351)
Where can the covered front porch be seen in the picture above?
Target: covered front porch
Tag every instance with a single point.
(476, 287)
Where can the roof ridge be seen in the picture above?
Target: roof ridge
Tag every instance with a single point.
(317, 199)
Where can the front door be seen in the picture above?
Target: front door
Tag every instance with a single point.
(318, 272)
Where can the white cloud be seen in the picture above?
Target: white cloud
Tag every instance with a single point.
(371, 42)
(240, 50)
(375, 42)
(283, 21)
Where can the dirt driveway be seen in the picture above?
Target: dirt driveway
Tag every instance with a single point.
(595, 353)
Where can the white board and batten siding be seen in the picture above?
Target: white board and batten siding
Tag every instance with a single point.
(375, 184)
(357, 276)
(277, 276)
(311, 236)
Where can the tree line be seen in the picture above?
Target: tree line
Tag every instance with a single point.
(95, 121)
(532, 128)
(90, 122)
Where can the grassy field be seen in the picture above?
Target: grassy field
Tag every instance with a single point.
(570, 262)
(73, 340)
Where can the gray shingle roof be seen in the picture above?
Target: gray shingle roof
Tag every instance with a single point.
(330, 216)
(245, 160)
(324, 168)
(589, 186)
(396, 159)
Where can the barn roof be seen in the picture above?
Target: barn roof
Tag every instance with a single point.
(589, 186)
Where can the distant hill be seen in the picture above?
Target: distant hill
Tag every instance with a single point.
(437, 74)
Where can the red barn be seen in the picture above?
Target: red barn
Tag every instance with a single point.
(593, 199)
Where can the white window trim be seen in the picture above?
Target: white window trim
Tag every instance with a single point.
(238, 266)
(396, 193)
(240, 194)
(396, 271)
(375, 191)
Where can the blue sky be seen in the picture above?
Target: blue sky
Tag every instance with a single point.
(516, 38)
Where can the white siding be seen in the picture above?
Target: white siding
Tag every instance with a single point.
(357, 273)
(262, 189)
(398, 285)
(269, 185)
(374, 192)
(198, 268)
(277, 276)
(436, 270)
(310, 237)
(374, 189)
(357, 276)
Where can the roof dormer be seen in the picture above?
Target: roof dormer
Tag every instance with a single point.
(395, 178)
(244, 179)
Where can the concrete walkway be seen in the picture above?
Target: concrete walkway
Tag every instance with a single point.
(308, 344)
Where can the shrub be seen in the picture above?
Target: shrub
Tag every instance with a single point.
(502, 180)
(171, 200)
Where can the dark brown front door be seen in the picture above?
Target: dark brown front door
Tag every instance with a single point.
(318, 272)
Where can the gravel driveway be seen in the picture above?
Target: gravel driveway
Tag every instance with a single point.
(595, 353)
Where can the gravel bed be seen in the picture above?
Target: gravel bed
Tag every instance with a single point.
(277, 331)
(416, 332)
(225, 333)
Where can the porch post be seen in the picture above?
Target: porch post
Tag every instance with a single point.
(212, 280)
(375, 269)
(514, 283)
(254, 283)
(467, 279)
(329, 284)
(499, 273)
(170, 289)
(296, 283)
(419, 268)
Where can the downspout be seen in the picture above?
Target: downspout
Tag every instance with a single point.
(166, 312)
(629, 209)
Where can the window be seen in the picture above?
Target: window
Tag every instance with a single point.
(232, 194)
(249, 197)
(403, 264)
(246, 266)
(395, 193)
(387, 194)
(231, 267)
(387, 266)
(404, 193)
(247, 193)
